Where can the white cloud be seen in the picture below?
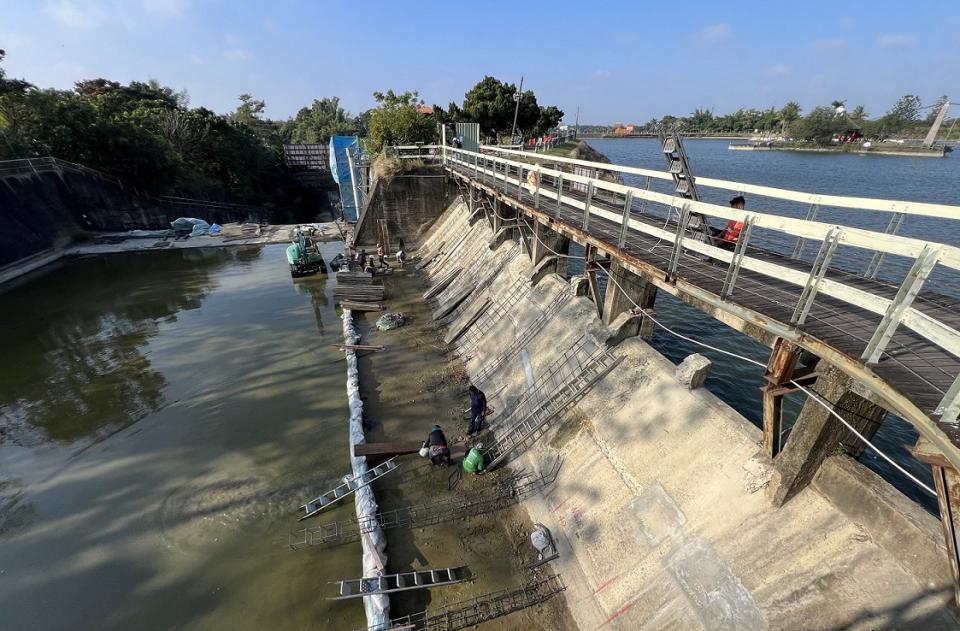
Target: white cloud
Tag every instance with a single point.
(166, 8)
(830, 43)
(717, 32)
(237, 54)
(895, 40)
(602, 74)
(195, 60)
(72, 15)
(779, 70)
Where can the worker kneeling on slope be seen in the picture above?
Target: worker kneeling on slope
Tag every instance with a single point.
(473, 461)
(436, 444)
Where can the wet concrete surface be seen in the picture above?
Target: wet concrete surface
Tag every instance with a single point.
(413, 383)
(162, 415)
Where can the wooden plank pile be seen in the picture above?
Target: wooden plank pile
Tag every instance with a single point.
(357, 287)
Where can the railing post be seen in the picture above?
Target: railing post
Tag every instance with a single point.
(949, 408)
(877, 259)
(738, 253)
(811, 215)
(536, 194)
(586, 206)
(559, 191)
(817, 271)
(909, 289)
(678, 242)
(625, 220)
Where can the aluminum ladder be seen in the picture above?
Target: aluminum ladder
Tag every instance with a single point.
(349, 486)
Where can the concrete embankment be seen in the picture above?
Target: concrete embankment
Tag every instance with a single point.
(660, 509)
(50, 209)
(908, 152)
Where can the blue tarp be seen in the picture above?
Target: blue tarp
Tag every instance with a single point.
(340, 169)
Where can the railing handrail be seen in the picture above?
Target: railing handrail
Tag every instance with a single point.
(895, 312)
(804, 228)
(937, 332)
(926, 209)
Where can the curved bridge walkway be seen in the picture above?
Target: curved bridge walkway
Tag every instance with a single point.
(880, 309)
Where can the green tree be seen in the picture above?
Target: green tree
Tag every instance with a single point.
(396, 121)
(702, 120)
(788, 114)
(906, 110)
(324, 118)
(550, 117)
(820, 126)
(490, 103)
(859, 114)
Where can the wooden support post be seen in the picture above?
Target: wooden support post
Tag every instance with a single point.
(947, 482)
(817, 434)
(496, 221)
(779, 371)
(591, 269)
(634, 290)
(772, 421)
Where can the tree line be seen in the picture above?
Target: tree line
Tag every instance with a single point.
(147, 134)
(908, 118)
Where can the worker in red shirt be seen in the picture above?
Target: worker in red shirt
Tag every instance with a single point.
(732, 232)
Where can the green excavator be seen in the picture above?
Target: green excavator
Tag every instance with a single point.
(303, 255)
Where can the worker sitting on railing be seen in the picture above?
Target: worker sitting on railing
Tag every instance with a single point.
(729, 234)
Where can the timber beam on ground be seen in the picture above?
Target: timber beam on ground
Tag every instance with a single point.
(748, 321)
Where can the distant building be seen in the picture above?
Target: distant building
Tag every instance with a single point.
(619, 129)
(425, 109)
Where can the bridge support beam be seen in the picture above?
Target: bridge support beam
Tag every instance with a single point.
(592, 268)
(817, 434)
(547, 242)
(632, 289)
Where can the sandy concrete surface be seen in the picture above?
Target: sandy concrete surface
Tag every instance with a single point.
(659, 507)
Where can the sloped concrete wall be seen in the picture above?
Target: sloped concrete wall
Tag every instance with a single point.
(48, 209)
(659, 507)
(410, 203)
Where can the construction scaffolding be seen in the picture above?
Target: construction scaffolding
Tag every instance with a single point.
(503, 493)
(554, 394)
(477, 610)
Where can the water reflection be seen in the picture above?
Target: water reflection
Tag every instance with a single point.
(75, 362)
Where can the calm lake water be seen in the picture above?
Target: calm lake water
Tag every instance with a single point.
(738, 383)
(162, 416)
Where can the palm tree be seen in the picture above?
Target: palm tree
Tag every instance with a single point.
(838, 107)
(859, 113)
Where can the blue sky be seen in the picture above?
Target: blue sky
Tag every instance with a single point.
(619, 61)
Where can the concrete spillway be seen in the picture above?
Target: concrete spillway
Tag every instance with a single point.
(661, 509)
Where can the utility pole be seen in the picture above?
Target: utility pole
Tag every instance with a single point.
(576, 133)
(516, 110)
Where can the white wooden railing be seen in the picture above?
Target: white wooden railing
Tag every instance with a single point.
(583, 192)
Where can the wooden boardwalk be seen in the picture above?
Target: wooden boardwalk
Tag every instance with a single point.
(911, 365)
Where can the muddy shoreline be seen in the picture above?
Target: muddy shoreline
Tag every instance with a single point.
(415, 382)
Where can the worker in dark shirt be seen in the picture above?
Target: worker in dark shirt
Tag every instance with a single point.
(436, 443)
(478, 407)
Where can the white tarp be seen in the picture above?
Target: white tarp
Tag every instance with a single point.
(374, 543)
